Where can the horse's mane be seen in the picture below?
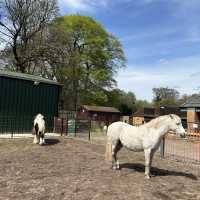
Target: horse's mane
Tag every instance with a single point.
(155, 123)
(39, 116)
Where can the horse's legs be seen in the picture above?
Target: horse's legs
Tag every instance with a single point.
(42, 138)
(151, 159)
(147, 153)
(35, 140)
(115, 148)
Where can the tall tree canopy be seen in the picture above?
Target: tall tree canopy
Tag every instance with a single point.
(165, 96)
(22, 25)
(124, 101)
(84, 57)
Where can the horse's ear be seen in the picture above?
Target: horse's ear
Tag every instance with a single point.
(171, 116)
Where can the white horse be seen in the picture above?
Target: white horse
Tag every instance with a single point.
(39, 129)
(145, 138)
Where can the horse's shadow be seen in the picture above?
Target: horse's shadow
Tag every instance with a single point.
(51, 141)
(156, 171)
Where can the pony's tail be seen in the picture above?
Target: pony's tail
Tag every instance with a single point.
(108, 153)
(36, 128)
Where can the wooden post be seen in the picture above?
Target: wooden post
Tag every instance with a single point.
(162, 148)
(89, 134)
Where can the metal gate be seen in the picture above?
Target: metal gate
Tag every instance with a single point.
(72, 127)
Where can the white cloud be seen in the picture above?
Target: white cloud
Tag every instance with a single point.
(182, 74)
(82, 5)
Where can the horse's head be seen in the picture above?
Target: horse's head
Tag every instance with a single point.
(176, 126)
(39, 116)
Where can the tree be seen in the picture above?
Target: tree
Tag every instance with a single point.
(22, 27)
(124, 101)
(84, 57)
(165, 96)
(139, 104)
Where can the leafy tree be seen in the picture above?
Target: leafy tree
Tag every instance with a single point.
(142, 104)
(125, 102)
(165, 96)
(84, 57)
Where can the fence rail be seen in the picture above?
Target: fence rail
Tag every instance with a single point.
(185, 150)
(84, 128)
(17, 125)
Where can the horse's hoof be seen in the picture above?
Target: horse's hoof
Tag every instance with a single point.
(114, 168)
(147, 177)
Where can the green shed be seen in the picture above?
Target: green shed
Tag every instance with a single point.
(22, 97)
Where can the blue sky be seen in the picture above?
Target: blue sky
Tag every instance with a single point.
(161, 40)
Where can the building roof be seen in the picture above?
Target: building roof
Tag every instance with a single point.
(101, 109)
(164, 110)
(146, 112)
(28, 77)
(192, 102)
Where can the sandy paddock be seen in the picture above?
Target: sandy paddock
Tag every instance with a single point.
(73, 169)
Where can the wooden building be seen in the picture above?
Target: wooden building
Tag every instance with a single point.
(99, 113)
(192, 109)
(146, 114)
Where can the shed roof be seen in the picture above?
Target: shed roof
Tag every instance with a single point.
(192, 102)
(145, 112)
(28, 77)
(101, 109)
(153, 112)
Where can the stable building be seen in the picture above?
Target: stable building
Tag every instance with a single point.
(146, 114)
(23, 96)
(143, 115)
(192, 108)
(99, 113)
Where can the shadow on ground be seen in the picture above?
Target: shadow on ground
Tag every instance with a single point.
(156, 171)
(51, 141)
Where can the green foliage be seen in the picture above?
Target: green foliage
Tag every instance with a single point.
(125, 102)
(142, 104)
(87, 58)
(165, 96)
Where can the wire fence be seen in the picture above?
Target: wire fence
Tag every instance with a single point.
(21, 125)
(82, 128)
(185, 150)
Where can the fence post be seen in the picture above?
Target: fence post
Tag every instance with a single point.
(89, 134)
(75, 128)
(162, 148)
(11, 128)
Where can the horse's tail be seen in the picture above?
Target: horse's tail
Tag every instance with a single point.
(36, 128)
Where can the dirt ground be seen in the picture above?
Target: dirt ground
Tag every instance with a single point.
(73, 169)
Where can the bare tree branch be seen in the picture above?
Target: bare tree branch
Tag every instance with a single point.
(22, 21)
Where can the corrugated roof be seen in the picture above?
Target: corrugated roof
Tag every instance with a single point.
(192, 102)
(28, 77)
(101, 109)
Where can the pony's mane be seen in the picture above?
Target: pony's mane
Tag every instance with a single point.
(39, 116)
(155, 123)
